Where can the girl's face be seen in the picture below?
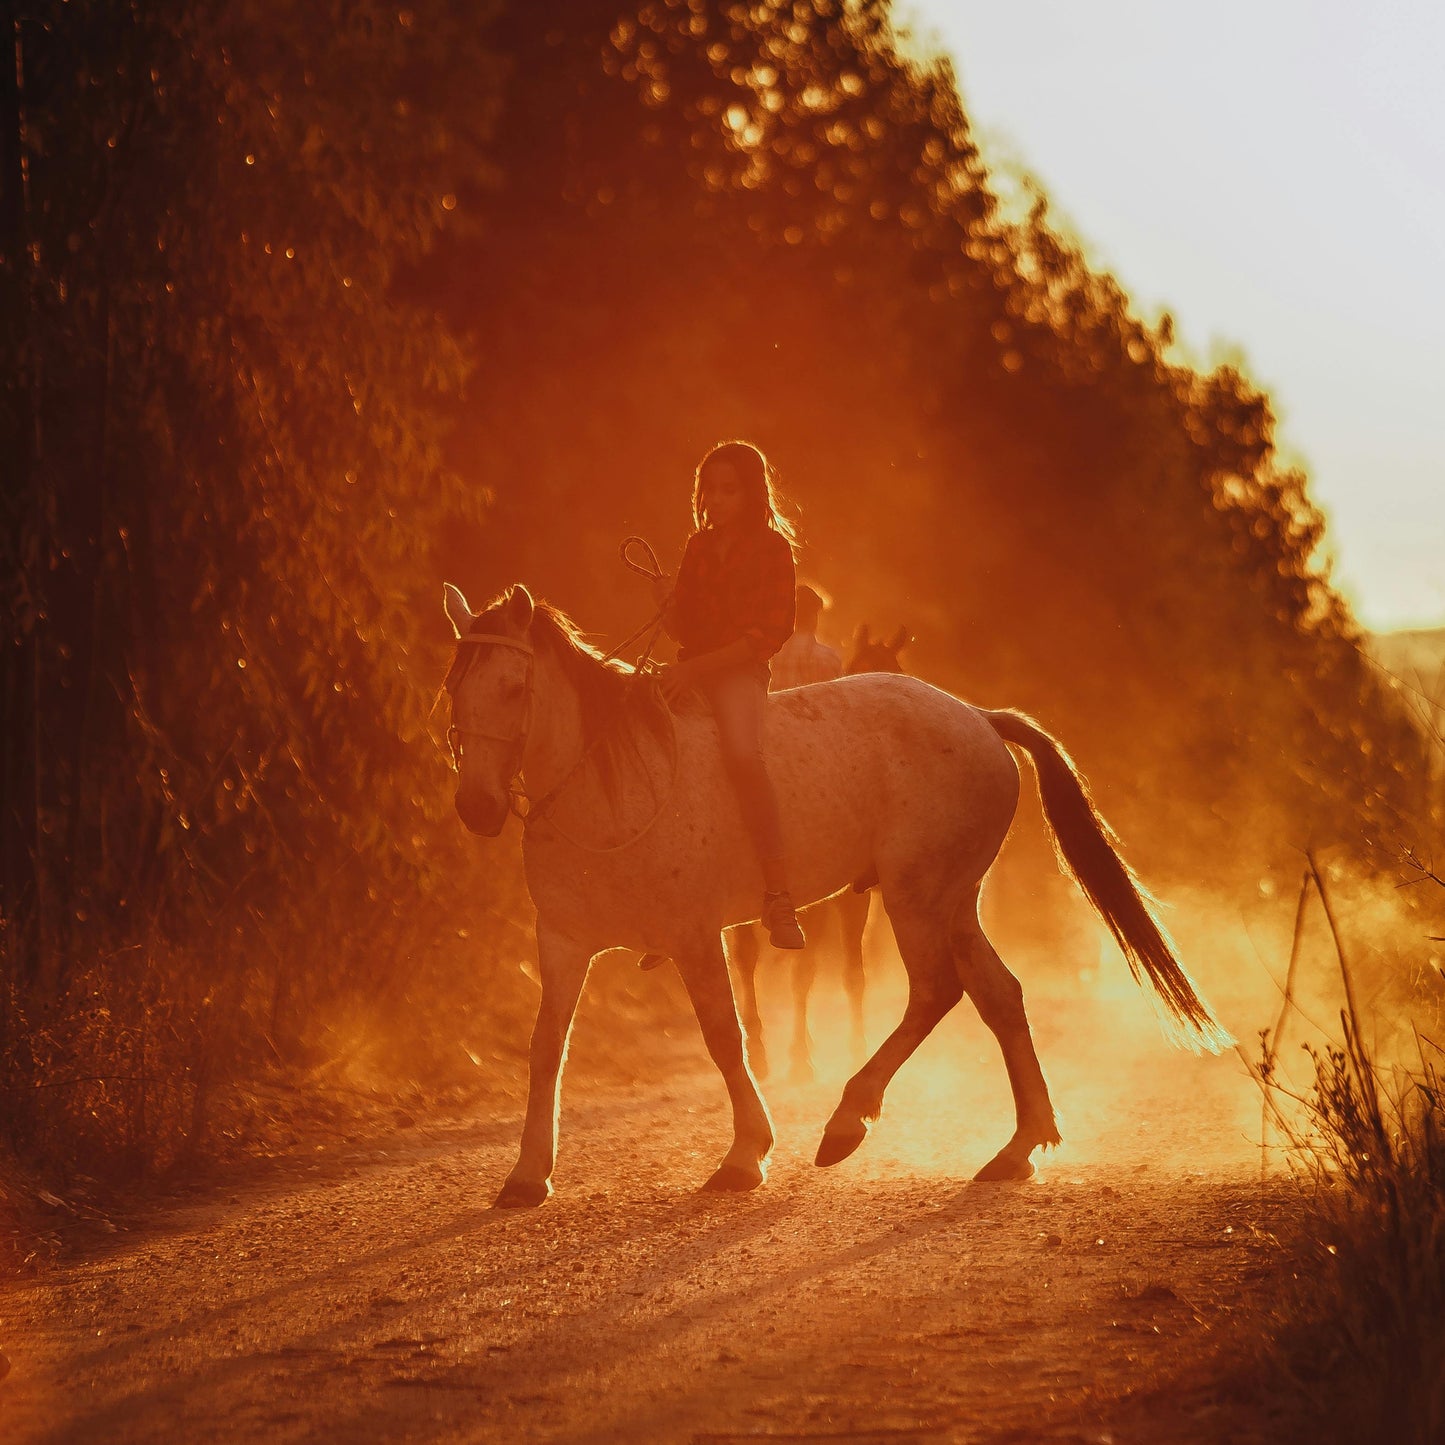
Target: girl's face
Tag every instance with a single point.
(724, 496)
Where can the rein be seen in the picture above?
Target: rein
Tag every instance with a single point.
(650, 569)
(519, 802)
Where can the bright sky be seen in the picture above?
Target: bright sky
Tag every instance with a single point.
(1273, 173)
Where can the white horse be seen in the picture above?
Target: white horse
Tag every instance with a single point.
(635, 840)
(851, 908)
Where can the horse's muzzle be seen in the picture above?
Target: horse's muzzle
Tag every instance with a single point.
(481, 814)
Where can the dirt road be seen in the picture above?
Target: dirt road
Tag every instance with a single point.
(369, 1293)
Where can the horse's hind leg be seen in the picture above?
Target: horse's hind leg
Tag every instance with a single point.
(800, 1055)
(933, 989)
(852, 920)
(741, 944)
(705, 974)
(997, 995)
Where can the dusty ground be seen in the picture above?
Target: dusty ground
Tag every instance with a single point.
(369, 1293)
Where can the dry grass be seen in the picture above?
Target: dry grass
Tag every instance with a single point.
(1360, 1335)
(154, 1056)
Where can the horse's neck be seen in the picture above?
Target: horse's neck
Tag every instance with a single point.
(554, 740)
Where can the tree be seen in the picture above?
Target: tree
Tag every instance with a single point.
(225, 408)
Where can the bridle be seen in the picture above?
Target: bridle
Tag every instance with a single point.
(518, 739)
(519, 801)
(517, 798)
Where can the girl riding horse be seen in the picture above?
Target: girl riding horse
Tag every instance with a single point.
(730, 610)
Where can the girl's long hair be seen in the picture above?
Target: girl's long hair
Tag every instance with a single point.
(757, 477)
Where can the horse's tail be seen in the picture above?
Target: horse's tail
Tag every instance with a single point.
(1088, 851)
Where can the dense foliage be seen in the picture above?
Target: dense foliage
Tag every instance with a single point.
(221, 425)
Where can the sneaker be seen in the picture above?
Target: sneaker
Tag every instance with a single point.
(782, 922)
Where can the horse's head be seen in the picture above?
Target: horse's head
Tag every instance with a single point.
(877, 656)
(490, 683)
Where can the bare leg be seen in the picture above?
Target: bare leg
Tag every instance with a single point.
(742, 947)
(1000, 1002)
(563, 963)
(704, 972)
(933, 989)
(800, 1058)
(852, 919)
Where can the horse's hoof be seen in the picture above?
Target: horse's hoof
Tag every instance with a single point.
(1006, 1166)
(733, 1179)
(837, 1145)
(758, 1063)
(522, 1194)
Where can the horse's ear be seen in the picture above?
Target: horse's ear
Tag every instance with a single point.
(861, 636)
(519, 607)
(899, 640)
(458, 612)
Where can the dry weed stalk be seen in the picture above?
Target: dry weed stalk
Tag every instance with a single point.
(1362, 1336)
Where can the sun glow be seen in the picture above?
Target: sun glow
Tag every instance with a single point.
(1270, 176)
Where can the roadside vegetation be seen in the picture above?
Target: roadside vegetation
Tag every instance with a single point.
(1360, 1327)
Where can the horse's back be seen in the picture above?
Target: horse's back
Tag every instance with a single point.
(874, 773)
(893, 767)
(884, 718)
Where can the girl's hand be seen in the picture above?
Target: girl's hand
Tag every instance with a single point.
(676, 680)
(662, 589)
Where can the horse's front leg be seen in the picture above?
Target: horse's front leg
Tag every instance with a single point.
(563, 963)
(741, 945)
(705, 975)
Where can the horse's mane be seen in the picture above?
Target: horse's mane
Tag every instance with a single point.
(615, 704)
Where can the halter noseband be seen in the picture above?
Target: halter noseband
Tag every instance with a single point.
(517, 739)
